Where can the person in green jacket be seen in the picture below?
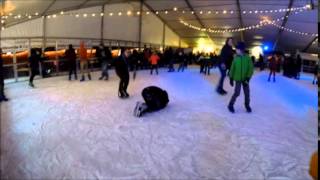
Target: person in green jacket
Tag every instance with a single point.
(241, 72)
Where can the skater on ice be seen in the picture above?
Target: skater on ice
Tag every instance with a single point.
(2, 96)
(84, 62)
(122, 70)
(154, 59)
(155, 99)
(224, 64)
(273, 66)
(71, 57)
(182, 60)
(241, 72)
(315, 74)
(34, 61)
(105, 57)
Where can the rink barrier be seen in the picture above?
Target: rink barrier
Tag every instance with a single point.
(57, 72)
(16, 44)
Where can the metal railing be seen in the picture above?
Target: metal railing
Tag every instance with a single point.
(56, 64)
(16, 44)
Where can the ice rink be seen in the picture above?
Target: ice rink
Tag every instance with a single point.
(75, 130)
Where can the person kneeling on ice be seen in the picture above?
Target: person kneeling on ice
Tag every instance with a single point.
(241, 71)
(155, 99)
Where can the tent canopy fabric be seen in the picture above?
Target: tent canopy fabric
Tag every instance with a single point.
(305, 21)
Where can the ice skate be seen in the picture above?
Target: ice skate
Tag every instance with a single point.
(231, 109)
(248, 108)
(126, 94)
(31, 85)
(82, 79)
(4, 99)
(139, 109)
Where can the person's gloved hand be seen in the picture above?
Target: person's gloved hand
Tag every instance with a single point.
(231, 82)
(247, 81)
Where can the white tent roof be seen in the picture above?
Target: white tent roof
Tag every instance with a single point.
(285, 40)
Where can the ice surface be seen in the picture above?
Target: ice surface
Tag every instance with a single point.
(75, 130)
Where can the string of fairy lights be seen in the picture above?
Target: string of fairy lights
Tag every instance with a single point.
(295, 10)
(262, 23)
(173, 10)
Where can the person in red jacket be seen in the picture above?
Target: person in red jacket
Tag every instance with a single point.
(154, 59)
(84, 61)
(273, 66)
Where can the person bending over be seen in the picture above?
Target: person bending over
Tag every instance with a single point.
(241, 71)
(122, 70)
(155, 99)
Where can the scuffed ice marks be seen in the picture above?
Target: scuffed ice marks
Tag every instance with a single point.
(72, 130)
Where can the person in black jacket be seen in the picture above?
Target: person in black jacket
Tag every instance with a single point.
(298, 65)
(169, 57)
(71, 57)
(155, 99)
(2, 96)
(315, 74)
(105, 57)
(34, 61)
(261, 62)
(182, 60)
(135, 59)
(226, 58)
(122, 70)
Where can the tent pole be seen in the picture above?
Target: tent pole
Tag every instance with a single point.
(102, 24)
(163, 36)
(44, 32)
(140, 23)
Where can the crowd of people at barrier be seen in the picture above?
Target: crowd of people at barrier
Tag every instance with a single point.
(153, 59)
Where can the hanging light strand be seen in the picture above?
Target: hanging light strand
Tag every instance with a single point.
(261, 24)
(182, 11)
